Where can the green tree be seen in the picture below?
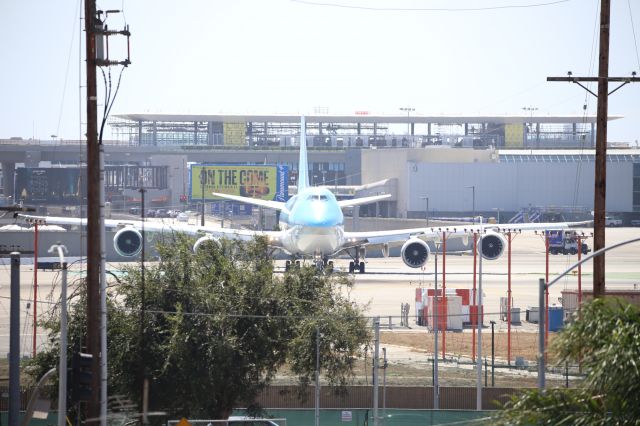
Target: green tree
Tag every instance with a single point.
(605, 338)
(217, 325)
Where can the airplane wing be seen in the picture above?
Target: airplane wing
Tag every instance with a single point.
(399, 236)
(277, 205)
(363, 200)
(164, 228)
(509, 227)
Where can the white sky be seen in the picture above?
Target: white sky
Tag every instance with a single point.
(284, 56)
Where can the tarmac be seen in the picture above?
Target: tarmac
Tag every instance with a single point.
(389, 283)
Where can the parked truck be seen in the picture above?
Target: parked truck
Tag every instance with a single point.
(612, 221)
(565, 242)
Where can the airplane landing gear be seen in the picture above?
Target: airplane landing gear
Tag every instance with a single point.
(328, 266)
(321, 264)
(324, 265)
(356, 265)
(289, 263)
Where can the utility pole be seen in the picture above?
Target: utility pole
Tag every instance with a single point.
(600, 189)
(91, 22)
(96, 33)
(600, 185)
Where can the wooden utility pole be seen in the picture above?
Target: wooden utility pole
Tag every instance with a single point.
(93, 211)
(600, 188)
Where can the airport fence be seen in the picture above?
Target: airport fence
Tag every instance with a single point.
(508, 357)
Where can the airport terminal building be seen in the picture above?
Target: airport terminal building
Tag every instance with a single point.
(447, 165)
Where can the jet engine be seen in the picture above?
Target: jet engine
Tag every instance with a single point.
(415, 252)
(128, 242)
(202, 240)
(493, 245)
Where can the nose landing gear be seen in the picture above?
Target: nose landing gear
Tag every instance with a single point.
(324, 265)
(321, 264)
(289, 263)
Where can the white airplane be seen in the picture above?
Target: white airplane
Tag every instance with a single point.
(312, 226)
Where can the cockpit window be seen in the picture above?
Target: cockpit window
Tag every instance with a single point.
(318, 197)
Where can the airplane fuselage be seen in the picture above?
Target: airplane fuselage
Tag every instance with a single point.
(313, 223)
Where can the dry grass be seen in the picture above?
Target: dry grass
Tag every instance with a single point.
(411, 363)
(460, 344)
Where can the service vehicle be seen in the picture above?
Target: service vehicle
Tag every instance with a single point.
(612, 221)
(565, 242)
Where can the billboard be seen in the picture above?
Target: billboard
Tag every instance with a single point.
(234, 133)
(266, 182)
(514, 135)
(50, 185)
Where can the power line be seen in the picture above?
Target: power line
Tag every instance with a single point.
(633, 29)
(66, 76)
(429, 9)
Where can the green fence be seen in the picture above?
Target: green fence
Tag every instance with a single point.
(344, 417)
(389, 417)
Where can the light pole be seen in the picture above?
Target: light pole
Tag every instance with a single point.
(317, 380)
(497, 209)
(143, 373)
(436, 382)
(184, 177)
(479, 324)
(493, 354)
(473, 202)
(408, 110)
(530, 109)
(426, 209)
(62, 366)
(203, 178)
(543, 287)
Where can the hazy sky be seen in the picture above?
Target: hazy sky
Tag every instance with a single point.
(284, 56)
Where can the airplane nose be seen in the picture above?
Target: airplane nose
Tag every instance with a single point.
(321, 221)
(322, 217)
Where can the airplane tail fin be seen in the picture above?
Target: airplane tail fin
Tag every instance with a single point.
(303, 165)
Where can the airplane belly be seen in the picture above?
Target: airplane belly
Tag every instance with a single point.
(314, 240)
